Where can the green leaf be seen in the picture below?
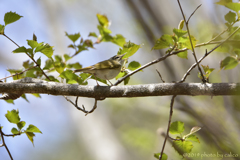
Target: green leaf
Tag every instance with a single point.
(60, 66)
(73, 37)
(164, 156)
(12, 116)
(40, 47)
(134, 65)
(176, 127)
(24, 97)
(11, 17)
(66, 57)
(207, 71)
(228, 63)
(179, 32)
(20, 50)
(2, 27)
(21, 124)
(14, 130)
(224, 2)
(30, 136)
(68, 74)
(233, 6)
(33, 44)
(182, 146)
(185, 42)
(92, 34)
(36, 95)
(164, 42)
(48, 64)
(76, 65)
(103, 20)
(181, 24)
(119, 40)
(9, 101)
(128, 49)
(193, 138)
(58, 58)
(33, 129)
(34, 37)
(230, 17)
(47, 51)
(183, 54)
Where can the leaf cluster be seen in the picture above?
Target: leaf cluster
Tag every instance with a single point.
(13, 117)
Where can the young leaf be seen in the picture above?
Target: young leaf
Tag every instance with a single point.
(2, 29)
(68, 74)
(181, 24)
(11, 17)
(21, 124)
(73, 37)
(134, 65)
(92, 34)
(179, 32)
(12, 116)
(164, 156)
(233, 6)
(9, 101)
(24, 97)
(193, 138)
(103, 20)
(32, 128)
(128, 49)
(30, 136)
(182, 146)
(47, 51)
(183, 54)
(164, 42)
(20, 50)
(230, 17)
(228, 63)
(119, 40)
(14, 130)
(66, 57)
(195, 129)
(36, 95)
(176, 127)
(33, 44)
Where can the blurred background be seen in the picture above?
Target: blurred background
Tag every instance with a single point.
(120, 128)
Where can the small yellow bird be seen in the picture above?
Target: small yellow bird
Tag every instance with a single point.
(105, 70)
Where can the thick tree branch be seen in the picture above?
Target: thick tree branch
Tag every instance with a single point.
(30, 85)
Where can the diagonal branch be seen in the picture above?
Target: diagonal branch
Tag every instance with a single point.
(190, 39)
(4, 144)
(207, 53)
(169, 123)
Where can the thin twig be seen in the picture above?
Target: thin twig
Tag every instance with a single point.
(193, 12)
(4, 144)
(169, 123)
(19, 73)
(83, 108)
(206, 54)
(142, 67)
(190, 39)
(160, 76)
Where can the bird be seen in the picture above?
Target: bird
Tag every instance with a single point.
(105, 70)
